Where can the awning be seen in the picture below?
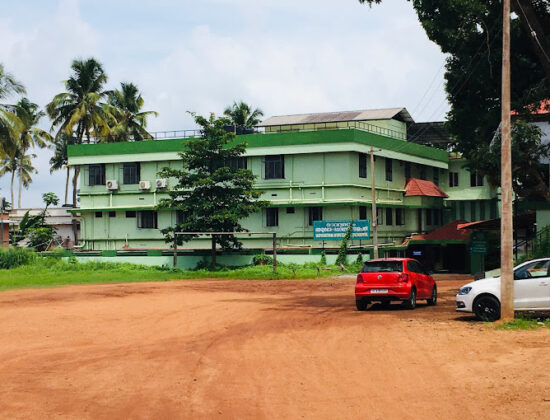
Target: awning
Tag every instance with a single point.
(448, 233)
(522, 221)
(422, 187)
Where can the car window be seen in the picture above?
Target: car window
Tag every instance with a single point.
(413, 266)
(535, 269)
(382, 267)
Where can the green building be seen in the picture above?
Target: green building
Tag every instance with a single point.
(309, 167)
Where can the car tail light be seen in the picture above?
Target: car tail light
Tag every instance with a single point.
(359, 278)
(404, 277)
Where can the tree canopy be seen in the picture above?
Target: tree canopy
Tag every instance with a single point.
(213, 192)
(470, 32)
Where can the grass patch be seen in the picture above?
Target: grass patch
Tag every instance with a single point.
(524, 324)
(51, 272)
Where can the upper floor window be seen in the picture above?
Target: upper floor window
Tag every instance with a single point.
(389, 216)
(272, 216)
(422, 172)
(453, 179)
(408, 170)
(275, 167)
(130, 173)
(315, 213)
(362, 165)
(399, 217)
(389, 169)
(362, 212)
(96, 174)
(147, 219)
(473, 211)
(239, 162)
(436, 176)
(476, 180)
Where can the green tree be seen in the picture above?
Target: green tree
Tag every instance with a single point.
(79, 112)
(469, 31)
(60, 160)
(130, 121)
(211, 195)
(10, 125)
(341, 259)
(242, 115)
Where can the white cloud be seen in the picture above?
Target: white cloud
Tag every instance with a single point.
(284, 57)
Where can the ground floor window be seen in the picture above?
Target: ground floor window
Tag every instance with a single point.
(147, 219)
(315, 213)
(399, 217)
(389, 216)
(272, 217)
(362, 212)
(290, 210)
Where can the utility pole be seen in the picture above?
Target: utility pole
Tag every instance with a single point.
(374, 215)
(506, 220)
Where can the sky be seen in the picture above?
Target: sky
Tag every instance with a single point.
(283, 56)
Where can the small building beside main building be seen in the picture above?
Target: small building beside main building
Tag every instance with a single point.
(309, 167)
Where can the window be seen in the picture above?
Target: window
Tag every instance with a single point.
(315, 213)
(130, 173)
(476, 180)
(482, 210)
(379, 216)
(362, 165)
(493, 208)
(414, 267)
(389, 216)
(147, 219)
(422, 172)
(272, 217)
(130, 214)
(462, 210)
(389, 169)
(275, 167)
(237, 163)
(453, 179)
(382, 267)
(112, 214)
(362, 213)
(399, 217)
(96, 174)
(290, 210)
(429, 220)
(180, 217)
(535, 269)
(436, 176)
(407, 169)
(98, 214)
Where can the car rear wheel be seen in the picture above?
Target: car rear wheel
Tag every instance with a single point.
(433, 299)
(487, 308)
(361, 304)
(410, 303)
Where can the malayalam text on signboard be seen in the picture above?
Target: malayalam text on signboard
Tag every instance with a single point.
(335, 230)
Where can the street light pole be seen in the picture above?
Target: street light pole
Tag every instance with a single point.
(373, 198)
(506, 220)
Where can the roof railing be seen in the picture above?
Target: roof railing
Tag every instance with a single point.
(272, 129)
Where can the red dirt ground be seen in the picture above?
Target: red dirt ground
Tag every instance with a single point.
(259, 349)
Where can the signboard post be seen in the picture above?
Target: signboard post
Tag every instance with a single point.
(335, 230)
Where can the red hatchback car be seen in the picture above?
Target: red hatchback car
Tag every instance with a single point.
(394, 279)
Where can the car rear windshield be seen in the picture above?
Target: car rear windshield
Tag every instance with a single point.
(383, 267)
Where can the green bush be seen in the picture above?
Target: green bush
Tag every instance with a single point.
(262, 259)
(323, 258)
(341, 259)
(14, 257)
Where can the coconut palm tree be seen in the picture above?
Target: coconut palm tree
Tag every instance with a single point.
(78, 112)
(25, 170)
(8, 165)
(125, 105)
(59, 160)
(9, 123)
(241, 115)
(8, 84)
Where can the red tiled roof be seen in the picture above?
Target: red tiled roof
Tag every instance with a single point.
(449, 232)
(543, 107)
(415, 186)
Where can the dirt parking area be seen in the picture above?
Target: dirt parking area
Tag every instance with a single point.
(259, 349)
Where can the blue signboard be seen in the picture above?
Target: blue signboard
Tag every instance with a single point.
(335, 230)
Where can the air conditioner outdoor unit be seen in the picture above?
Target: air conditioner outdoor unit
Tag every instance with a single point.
(112, 184)
(144, 185)
(161, 183)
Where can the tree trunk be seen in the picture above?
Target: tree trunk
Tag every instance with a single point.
(67, 185)
(213, 251)
(75, 184)
(528, 17)
(20, 187)
(12, 181)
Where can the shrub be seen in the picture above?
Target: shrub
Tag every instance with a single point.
(359, 259)
(323, 258)
(262, 259)
(14, 257)
(341, 259)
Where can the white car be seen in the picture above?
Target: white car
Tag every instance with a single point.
(531, 292)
